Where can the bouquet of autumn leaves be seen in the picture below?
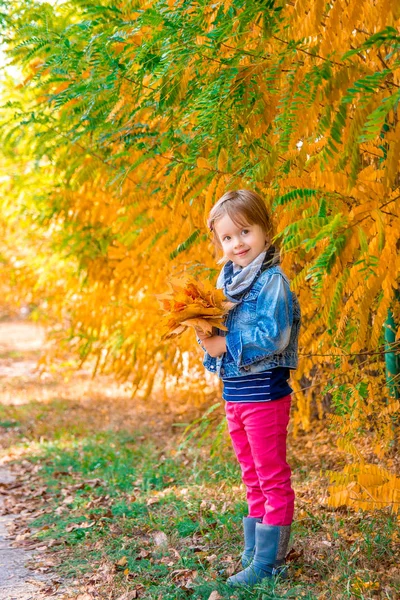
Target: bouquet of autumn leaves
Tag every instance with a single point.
(192, 303)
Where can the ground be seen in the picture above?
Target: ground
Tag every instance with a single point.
(118, 500)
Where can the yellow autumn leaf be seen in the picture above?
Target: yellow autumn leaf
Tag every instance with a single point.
(192, 303)
(203, 163)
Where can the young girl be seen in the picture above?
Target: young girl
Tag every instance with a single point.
(253, 359)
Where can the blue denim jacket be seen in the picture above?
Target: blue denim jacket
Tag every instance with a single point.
(263, 329)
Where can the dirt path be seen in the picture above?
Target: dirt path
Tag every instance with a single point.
(20, 343)
(16, 581)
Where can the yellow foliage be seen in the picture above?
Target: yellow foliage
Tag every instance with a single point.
(366, 487)
(192, 303)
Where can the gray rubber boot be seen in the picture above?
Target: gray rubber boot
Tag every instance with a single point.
(269, 558)
(249, 528)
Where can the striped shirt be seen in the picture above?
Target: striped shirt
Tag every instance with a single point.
(257, 387)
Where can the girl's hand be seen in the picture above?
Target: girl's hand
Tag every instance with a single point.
(215, 345)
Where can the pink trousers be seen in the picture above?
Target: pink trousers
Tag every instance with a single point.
(258, 433)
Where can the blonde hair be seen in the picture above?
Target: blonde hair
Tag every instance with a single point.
(244, 207)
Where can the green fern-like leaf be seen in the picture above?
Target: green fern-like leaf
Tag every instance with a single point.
(186, 244)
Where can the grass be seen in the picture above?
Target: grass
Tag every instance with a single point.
(123, 509)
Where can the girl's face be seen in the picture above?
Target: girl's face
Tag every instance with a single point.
(240, 244)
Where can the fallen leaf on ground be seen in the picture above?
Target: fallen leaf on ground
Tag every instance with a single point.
(84, 525)
(68, 500)
(211, 558)
(294, 555)
(160, 539)
(122, 562)
(129, 595)
(151, 501)
(142, 554)
(214, 596)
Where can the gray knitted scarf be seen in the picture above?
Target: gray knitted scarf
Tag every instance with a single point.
(236, 282)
